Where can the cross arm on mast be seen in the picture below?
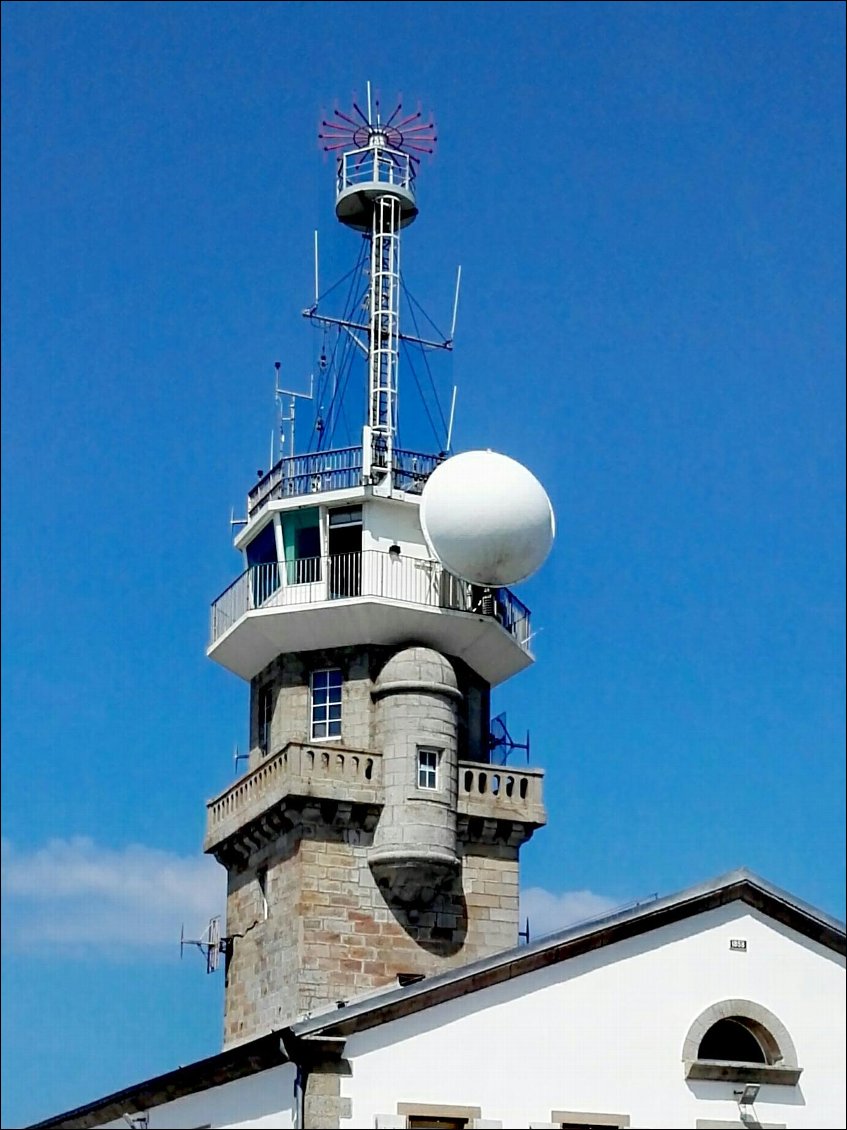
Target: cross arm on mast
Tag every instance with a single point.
(325, 320)
(343, 323)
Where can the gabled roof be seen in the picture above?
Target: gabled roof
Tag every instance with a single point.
(739, 885)
(301, 1041)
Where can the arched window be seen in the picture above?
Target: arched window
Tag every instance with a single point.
(740, 1040)
(732, 1039)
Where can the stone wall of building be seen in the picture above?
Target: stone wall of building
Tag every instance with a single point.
(309, 924)
(330, 935)
(287, 680)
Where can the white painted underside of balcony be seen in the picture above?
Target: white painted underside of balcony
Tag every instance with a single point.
(261, 634)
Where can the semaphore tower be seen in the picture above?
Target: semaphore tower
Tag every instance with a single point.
(371, 838)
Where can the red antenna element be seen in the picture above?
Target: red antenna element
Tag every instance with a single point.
(410, 134)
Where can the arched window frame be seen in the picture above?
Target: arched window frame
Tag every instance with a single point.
(781, 1067)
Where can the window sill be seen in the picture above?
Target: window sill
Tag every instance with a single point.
(725, 1071)
(434, 796)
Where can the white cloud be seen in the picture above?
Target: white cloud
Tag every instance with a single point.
(76, 897)
(548, 912)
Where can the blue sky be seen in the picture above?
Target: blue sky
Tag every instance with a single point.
(647, 203)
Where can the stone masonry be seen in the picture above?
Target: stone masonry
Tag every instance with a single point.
(311, 920)
(287, 679)
(331, 936)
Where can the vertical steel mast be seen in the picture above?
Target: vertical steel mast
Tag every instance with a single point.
(384, 355)
(375, 194)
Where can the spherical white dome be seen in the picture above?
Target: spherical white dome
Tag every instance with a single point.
(487, 518)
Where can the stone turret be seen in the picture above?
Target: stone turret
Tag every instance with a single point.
(414, 852)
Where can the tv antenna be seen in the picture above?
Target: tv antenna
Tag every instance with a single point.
(210, 943)
(500, 738)
(378, 153)
(237, 756)
(279, 393)
(525, 932)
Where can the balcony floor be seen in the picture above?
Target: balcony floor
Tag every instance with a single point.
(261, 634)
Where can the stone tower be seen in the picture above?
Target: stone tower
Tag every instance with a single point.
(371, 839)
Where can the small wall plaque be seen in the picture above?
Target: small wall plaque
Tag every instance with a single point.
(738, 944)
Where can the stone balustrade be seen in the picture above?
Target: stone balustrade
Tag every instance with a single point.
(498, 792)
(493, 793)
(297, 770)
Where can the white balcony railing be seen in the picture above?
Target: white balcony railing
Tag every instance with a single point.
(376, 165)
(369, 574)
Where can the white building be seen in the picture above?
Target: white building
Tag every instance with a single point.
(721, 1006)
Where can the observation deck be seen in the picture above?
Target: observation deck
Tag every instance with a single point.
(367, 597)
(338, 469)
(366, 174)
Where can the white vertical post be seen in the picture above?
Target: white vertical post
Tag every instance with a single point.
(316, 268)
(383, 356)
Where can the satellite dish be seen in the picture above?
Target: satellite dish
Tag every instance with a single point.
(487, 518)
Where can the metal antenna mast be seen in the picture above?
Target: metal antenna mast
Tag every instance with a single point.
(377, 165)
(289, 419)
(384, 303)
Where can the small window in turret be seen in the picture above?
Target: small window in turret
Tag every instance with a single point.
(428, 765)
(326, 704)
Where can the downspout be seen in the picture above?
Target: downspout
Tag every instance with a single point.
(296, 1053)
(301, 1074)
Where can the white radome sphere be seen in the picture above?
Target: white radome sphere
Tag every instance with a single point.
(487, 518)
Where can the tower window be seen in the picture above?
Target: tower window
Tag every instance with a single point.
(326, 704)
(264, 718)
(428, 763)
(262, 883)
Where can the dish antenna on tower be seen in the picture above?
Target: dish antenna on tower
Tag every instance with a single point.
(487, 518)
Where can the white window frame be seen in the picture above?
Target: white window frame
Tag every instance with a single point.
(429, 768)
(587, 1118)
(319, 713)
(469, 1115)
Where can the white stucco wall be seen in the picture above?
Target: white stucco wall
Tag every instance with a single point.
(387, 522)
(599, 1034)
(256, 1102)
(603, 1033)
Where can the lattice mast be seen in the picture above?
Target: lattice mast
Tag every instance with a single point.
(375, 194)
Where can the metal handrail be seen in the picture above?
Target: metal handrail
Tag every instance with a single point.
(307, 474)
(337, 469)
(370, 573)
(369, 166)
